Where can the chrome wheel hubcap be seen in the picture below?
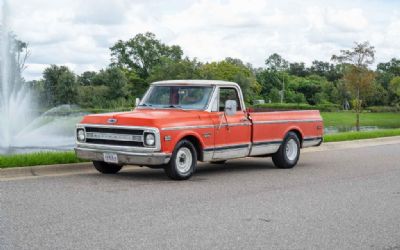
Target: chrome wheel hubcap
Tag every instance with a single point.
(291, 149)
(183, 160)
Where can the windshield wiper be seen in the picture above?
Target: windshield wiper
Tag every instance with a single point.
(144, 105)
(173, 106)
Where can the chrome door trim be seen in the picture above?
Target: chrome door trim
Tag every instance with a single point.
(287, 121)
(265, 147)
(187, 127)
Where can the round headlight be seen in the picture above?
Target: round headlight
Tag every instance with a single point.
(81, 135)
(150, 139)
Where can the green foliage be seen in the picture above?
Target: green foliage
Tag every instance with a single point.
(142, 53)
(383, 109)
(235, 71)
(394, 86)
(175, 69)
(296, 106)
(59, 86)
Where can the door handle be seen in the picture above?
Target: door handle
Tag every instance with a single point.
(244, 120)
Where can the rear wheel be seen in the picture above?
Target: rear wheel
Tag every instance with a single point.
(183, 161)
(288, 153)
(106, 168)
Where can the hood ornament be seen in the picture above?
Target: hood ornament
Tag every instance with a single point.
(112, 120)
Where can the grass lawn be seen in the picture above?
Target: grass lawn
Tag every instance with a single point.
(349, 136)
(384, 120)
(33, 159)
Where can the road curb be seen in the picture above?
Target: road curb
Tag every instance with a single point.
(43, 170)
(76, 168)
(354, 144)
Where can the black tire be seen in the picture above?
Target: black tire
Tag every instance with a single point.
(285, 158)
(218, 162)
(176, 171)
(106, 168)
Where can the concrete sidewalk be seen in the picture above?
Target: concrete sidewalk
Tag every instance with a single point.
(78, 168)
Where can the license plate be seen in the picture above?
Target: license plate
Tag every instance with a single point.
(110, 157)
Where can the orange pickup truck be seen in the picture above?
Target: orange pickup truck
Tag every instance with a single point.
(181, 122)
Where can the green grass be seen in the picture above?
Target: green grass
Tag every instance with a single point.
(384, 120)
(34, 159)
(349, 136)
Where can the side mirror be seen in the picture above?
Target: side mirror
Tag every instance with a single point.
(137, 101)
(230, 107)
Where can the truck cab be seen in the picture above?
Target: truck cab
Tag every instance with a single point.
(181, 122)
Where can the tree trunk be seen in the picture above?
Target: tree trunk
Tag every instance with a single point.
(358, 120)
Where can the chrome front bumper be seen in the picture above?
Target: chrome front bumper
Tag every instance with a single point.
(124, 157)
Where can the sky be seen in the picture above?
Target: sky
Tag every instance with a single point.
(79, 33)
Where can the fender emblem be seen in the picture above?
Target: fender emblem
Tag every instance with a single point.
(112, 120)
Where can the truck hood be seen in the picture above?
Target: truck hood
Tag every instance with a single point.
(151, 118)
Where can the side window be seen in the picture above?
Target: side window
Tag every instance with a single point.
(228, 94)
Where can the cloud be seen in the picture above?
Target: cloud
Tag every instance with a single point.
(79, 33)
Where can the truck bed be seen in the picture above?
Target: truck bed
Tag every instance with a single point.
(269, 128)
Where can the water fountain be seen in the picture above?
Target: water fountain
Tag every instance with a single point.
(21, 128)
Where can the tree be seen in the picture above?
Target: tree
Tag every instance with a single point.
(226, 70)
(142, 53)
(87, 78)
(277, 64)
(358, 78)
(298, 69)
(60, 86)
(395, 87)
(268, 80)
(328, 70)
(175, 69)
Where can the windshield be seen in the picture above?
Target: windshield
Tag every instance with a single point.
(184, 97)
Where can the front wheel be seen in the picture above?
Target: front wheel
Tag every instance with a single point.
(183, 161)
(288, 153)
(106, 168)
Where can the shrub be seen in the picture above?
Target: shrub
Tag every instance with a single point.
(326, 107)
(383, 109)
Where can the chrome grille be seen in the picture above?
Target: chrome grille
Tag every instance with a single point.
(115, 136)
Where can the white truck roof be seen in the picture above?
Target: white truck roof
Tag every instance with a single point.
(196, 82)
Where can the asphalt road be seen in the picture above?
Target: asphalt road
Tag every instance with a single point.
(339, 199)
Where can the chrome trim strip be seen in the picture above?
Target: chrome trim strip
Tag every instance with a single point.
(312, 137)
(114, 137)
(235, 124)
(186, 127)
(273, 141)
(287, 121)
(227, 147)
(113, 126)
(265, 149)
(231, 153)
(312, 141)
(207, 156)
(104, 147)
(206, 126)
(124, 157)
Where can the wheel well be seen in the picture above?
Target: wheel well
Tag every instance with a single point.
(297, 132)
(197, 145)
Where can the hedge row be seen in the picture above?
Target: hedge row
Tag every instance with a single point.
(296, 106)
(383, 109)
